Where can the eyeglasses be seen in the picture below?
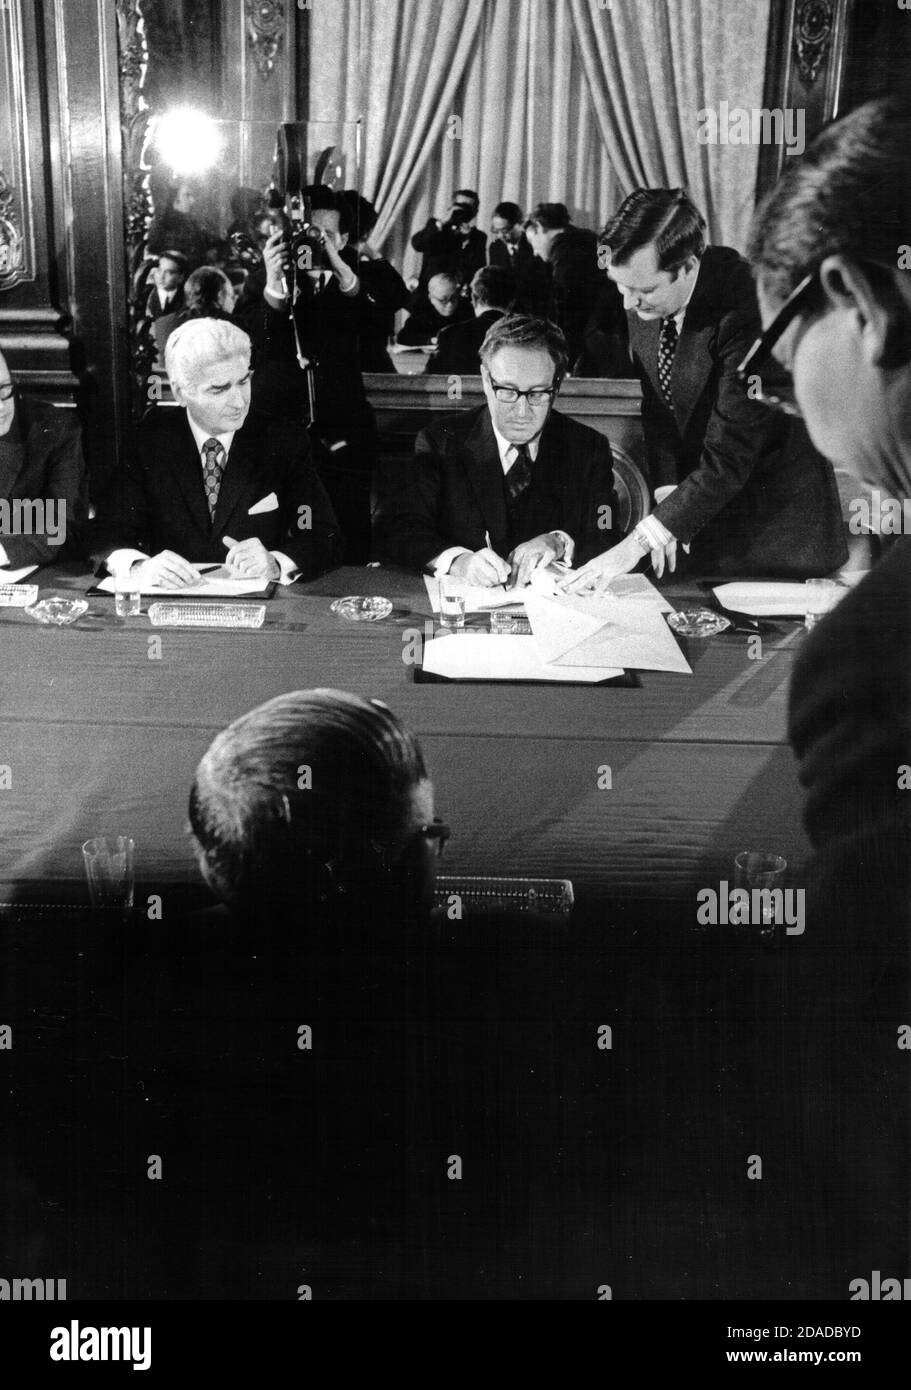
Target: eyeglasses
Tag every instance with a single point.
(7, 391)
(537, 397)
(438, 831)
(779, 392)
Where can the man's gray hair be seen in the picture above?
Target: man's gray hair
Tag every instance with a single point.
(199, 342)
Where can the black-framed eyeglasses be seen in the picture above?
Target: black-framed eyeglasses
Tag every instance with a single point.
(438, 832)
(537, 397)
(7, 390)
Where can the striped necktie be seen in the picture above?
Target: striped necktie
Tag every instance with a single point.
(213, 466)
(518, 479)
(667, 346)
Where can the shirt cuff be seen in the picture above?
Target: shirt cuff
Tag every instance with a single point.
(651, 531)
(289, 571)
(443, 562)
(277, 301)
(662, 492)
(119, 561)
(569, 547)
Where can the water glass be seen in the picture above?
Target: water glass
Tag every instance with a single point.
(452, 603)
(109, 872)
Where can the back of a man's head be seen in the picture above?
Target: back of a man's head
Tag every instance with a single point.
(308, 803)
(550, 217)
(199, 343)
(664, 217)
(508, 212)
(492, 287)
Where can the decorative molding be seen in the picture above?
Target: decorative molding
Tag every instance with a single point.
(265, 33)
(16, 259)
(813, 29)
(135, 121)
(11, 243)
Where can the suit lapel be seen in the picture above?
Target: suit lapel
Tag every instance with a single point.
(485, 474)
(186, 469)
(13, 453)
(238, 480)
(692, 360)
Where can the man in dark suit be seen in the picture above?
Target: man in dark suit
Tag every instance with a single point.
(497, 492)
(492, 293)
(432, 309)
(167, 293)
(572, 280)
(452, 245)
(508, 247)
(836, 309)
(214, 483)
(741, 486)
(43, 493)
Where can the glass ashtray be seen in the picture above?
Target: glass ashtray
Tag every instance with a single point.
(697, 622)
(58, 612)
(362, 608)
(18, 595)
(246, 615)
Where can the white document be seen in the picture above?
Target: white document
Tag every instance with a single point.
(485, 656)
(481, 599)
(13, 576)
(215, 583)
(604, 631)
(637, 586)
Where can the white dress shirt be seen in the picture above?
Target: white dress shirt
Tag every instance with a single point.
(508, 452)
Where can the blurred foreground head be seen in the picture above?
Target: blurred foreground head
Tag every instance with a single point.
(316, 804)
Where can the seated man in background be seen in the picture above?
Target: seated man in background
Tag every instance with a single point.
(452, 245)
(495, 493)
(387, 292)
(43, 490)
(208, 294)
(508, 248)
(429, 313)
(738, 483)
(212, 482)
(492, 294)
(167, 293)
(570, 258)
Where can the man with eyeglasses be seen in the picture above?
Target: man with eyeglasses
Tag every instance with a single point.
(43, 489)
(735, 482)
(499, 492)
(434, 309)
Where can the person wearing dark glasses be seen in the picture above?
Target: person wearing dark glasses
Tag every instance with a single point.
(43, 487)
(829, 248)
(737, 485)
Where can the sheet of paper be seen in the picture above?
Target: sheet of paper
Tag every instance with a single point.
(480, 599)
(482, 656)
(763, 598)
(637, 586)
(13, 576)
(604, 631)
(215, 583)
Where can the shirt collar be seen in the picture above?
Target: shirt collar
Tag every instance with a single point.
(681, 313)
(508, 450)
(202, 435)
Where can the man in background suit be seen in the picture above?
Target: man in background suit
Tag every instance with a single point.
(212, 482)
(168, 278)
(497, 492)
(741, 486)
(570, 260)
(41, 467)
(508, 248)
(452, 245)
(459, 345)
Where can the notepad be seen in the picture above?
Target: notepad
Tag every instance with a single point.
(216, 582)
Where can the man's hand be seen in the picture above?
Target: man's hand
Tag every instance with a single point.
(166, 570)
(251, 560)
(664, 554)
(531, 555)
(275, 259)
(484, 567)
(598, 573)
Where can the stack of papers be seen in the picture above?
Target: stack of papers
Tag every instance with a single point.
(481, 599)
(217, 582)
(763, 598)
(13, 576)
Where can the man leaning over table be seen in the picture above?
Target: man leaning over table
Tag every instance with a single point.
(42, 478)
(498, 492)
(213, 482)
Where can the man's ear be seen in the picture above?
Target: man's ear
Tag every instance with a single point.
(847, 287)
(179, 394)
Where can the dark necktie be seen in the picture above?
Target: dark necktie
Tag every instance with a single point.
(518, 479)
(213, 466)
(667, 346)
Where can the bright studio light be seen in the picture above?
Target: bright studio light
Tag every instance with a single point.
(188, 141)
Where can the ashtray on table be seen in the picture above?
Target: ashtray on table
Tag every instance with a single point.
(697, 622)
(58, 612)
(362, 608)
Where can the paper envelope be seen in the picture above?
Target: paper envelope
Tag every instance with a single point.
(603, 631)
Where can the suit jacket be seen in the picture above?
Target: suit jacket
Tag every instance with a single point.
(575, 283)
(41, 459)
(458, 346)
(155, 308)
(424, 322)
(387, 293)
(454, 493)
(159, 502)
(516, 263)
(753, 492)
(446, 250)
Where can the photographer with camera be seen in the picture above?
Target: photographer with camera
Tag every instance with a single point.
(452, 245)
(315, 307)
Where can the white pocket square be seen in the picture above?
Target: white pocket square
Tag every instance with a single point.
(267, 504)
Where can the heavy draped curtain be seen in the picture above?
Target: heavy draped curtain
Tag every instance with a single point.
(555, 100)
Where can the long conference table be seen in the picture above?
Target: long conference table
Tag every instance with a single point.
(102, 729)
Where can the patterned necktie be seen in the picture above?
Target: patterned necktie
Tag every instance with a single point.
(667, 346)
(518, 479)
(213, 466)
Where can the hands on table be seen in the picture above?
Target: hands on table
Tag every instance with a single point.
(487, 569)
(247, 559)
(620, 559)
